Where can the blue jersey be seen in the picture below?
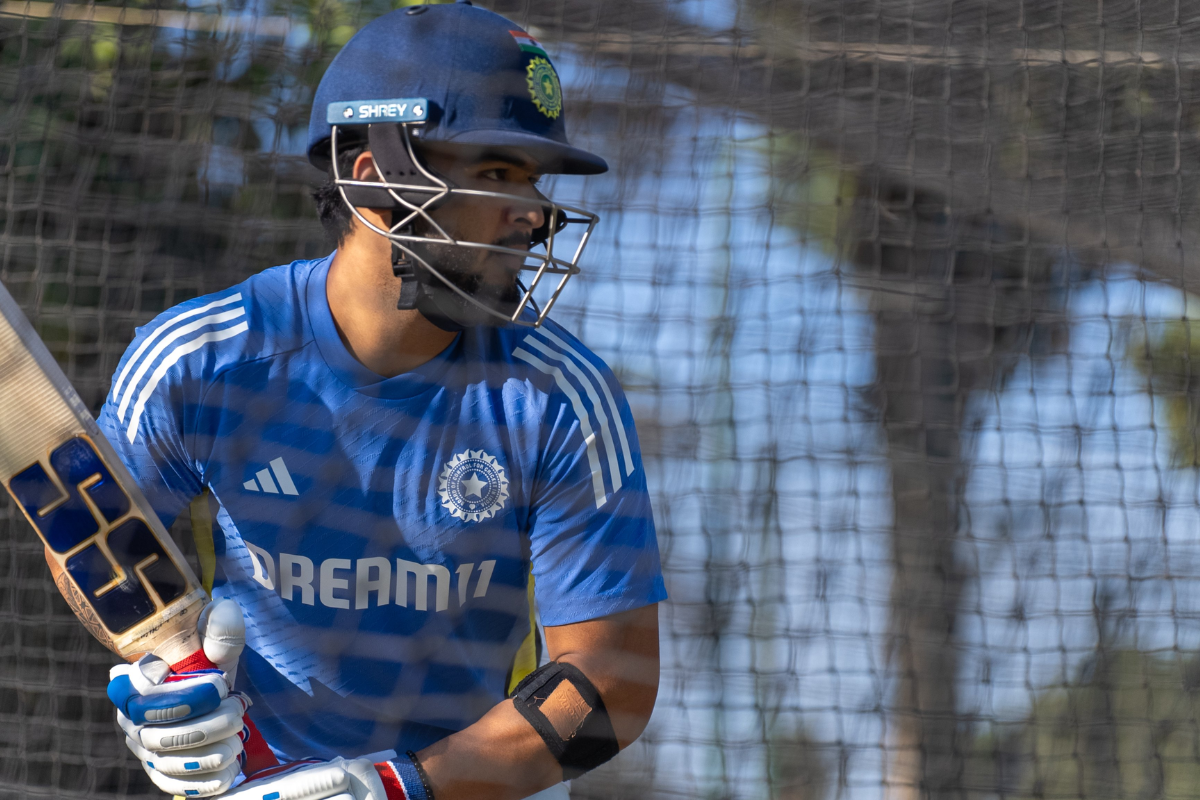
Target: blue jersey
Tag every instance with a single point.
(387, 539)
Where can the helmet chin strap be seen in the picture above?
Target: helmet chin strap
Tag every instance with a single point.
(416, 295)
(404, 269)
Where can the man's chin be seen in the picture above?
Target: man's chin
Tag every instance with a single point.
(504, 301)
(467, 314)
(492, 284)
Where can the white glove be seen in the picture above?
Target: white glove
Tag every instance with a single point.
(339, 779)
(187, 728)
(197, 757)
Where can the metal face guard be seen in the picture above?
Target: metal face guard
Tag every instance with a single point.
(408, 186)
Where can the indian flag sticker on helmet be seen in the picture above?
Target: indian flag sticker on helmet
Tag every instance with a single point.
(544, 87)
(527, 43)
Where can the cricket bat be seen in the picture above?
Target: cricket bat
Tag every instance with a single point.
(112, 560)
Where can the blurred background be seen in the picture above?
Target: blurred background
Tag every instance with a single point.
(902, 293)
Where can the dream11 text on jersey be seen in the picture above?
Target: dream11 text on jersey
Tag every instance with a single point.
(370, 576)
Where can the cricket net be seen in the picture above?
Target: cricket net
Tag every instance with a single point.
(901, 295)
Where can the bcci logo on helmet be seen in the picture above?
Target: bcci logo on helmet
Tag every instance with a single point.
(544, 87)
(472, 486)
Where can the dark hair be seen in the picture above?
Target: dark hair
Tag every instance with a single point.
(335, 215)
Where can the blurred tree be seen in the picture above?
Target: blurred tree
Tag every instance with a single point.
(957, 304)
(1168, 357)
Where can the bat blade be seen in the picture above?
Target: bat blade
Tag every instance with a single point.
(112, 560)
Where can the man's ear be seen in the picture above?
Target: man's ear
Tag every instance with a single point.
(364, 167)
(364, 170)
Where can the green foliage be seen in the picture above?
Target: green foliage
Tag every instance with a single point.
(1167, 354)
(331, 23)
(1128, 726)
(810, 191)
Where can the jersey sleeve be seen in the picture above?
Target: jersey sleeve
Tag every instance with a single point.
(592, 539)
(143, 417)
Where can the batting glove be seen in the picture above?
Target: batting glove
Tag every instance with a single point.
(339, 779)
(183, 722)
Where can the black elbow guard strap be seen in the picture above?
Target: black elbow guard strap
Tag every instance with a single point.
(565, 709)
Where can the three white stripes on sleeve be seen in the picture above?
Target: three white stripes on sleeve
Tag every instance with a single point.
(607, 420)
(180, 341)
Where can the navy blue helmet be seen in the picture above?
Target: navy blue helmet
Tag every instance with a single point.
(485, 79)
(447, 76)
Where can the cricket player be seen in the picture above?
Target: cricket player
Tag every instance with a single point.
(431, 515)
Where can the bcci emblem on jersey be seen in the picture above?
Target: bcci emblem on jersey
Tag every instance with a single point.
(473, 486)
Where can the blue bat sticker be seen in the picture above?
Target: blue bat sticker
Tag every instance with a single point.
(65, 521)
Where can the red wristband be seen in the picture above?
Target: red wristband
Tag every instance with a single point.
(391, 781)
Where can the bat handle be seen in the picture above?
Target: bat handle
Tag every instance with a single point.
(186, 642)
(173, 648)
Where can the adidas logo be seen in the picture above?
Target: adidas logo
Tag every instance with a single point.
(264, 483)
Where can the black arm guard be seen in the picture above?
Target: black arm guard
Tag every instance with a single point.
(592, 741)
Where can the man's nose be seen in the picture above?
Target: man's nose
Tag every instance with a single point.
(531, 212)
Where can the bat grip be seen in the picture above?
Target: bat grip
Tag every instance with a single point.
(195, 661)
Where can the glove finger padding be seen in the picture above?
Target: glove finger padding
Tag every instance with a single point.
(195, 761)
(310, 782)
(143, 693)
(226, 721)
(205, 785)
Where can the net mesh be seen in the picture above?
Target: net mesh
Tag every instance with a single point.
(901, 295)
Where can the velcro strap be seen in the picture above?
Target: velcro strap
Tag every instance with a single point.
(566, 710)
